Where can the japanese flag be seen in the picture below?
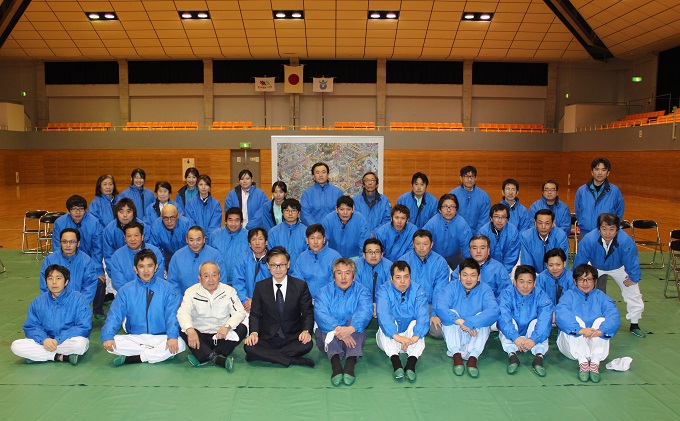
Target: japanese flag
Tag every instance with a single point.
(293, 79)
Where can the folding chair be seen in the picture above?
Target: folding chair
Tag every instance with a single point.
(640, 225)
(674, 267)
(31, 228)
(573, 236)
(45, 234)
(675, 235)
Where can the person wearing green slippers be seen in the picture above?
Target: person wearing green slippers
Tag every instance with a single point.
(525, 320)
(467, 309)
(403, 320)
(587, 319)
(342, 311)
(211, 319)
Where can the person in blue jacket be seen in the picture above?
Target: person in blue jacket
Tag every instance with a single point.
(421, 203)
(290, 234)
(519, 215)
(504, 236)
(587, 319)
(169, 232)
(251, 266)
(550, 200)
(450, 232)
(372, 269)
(614, 253)
(163, 190)
(88, 225)
(139, 194)
(148, 305)
(491, 271)
(342, 311)
(403, 320)
(122, 262)
(467, 309)
(474, 202)
(247, 197)
(525, 320)
(189, 190)
(231, 241)
(58, 324)
(556, 279)
(114, 236)
(183, 268)
(535, 242)
(270, 214)
(82, 269)
(314, 265)
(346, 230)
(204, 210)
(375, 207)
(597, 196)
(320, 198)
(397, 235)
(105, 198)
(430, 271)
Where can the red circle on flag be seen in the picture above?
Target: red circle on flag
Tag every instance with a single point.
(293, 79)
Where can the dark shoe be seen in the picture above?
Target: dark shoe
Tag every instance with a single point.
(229, 364)
(411, 376)
(595, 372)
(119, 360)
(73, 359)
(638, 332)
(348, 379)
(398, 374)
(513, 363)
(303, 361)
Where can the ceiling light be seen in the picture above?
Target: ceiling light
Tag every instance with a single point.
(477, 16)
(391, 15)
(280, 15)
(383, 14)
(289, 14)
(468, 16)
(374, 15)
(109, 16)
(198, 14)
(485, 16)
(101, 15)
(202, 15)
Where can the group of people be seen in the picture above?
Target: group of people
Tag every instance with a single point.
(281, 272)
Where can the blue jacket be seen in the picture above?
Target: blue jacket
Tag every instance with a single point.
(91, 233)
(114, 238)
(246, 274)
(206, 214)
(555, 288)
(521, 309)
(141, 197)
(534, 248)
(317, 201)
(83, 272)
(432, 273)
(149, 308)
(101, 207)
(587, 307)
(622, 253)
(474, 206)
(367, 273)
(348, 238)
(378, 214)
(168, 241)
(588, 207)
(478, 307)
(183, 269)
(396, 310)
(291, 237)
(230, 245)
(256, 198)
(334, 307)
(182, 194)
(419, 214)
(450, 238)
(67, 316)
(123, 262)
(153, 211)
(316, 269)
(492, 273)
(264, 217)
(519, 215)
(559, 208)
(395, 243)
(504, 244)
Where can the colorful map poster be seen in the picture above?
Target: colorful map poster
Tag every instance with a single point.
(348, 157)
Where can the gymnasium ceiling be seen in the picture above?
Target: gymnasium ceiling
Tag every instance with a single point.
(521, 30)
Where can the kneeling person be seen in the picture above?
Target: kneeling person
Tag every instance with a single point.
(211, 317)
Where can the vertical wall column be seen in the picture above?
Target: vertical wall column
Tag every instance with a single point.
(208, 93)
(551, 97)
(41, 95)
(381, 93)
(467, 93)
(294, 107)
(123, 92)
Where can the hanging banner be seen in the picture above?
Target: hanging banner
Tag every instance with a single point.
(293, 79)
(264, 84)
(323, 84)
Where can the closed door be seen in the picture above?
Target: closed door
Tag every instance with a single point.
(242, 159)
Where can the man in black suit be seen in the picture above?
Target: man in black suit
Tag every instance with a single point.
(281, 316)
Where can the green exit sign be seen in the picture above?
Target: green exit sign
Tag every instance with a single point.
(636, 78)
(244, 145)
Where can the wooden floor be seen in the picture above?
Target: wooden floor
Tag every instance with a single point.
(21, 198)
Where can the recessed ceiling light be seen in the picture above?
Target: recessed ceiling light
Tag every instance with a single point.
(202, 15)
(391, 15)
(383, 14)
(198, 14)
(101, 15)
(289, 14)
(477, 16)
(485, 16)
(374, 15)
(468, 16)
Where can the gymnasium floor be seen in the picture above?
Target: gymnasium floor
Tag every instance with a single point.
(175, 390)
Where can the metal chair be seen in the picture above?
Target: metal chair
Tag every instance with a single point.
(45, 233)
(674, 267)
(675, 235)
(31, 227)
(573, 235)
(640, 225)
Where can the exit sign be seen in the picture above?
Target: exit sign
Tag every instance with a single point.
(244, 145)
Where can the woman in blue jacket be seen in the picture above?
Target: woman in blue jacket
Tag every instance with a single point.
(247, 197)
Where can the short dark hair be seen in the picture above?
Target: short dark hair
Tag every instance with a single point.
(557, 186)
(76, 200)
(291, 203)
(233, 211)
(468, 168)
(61, 269)
(164, 184)
(370, 241)
(608, 219)
(197, 228)
(244, 172)
(100, 180)
(445, 197)
(280, 184)
(544, 212)
(511, 181)
(584, 268)
(598, 161)
(139, 171)
(422, 233)
(73, 230)
(480, 237)
(499, 207)
(145, 254)
(525, 269)
(556, 252)
(277, 251)
(377, 180)
(399, 265)
(205, 178)
(344, 200)
(402, 209)
(319, 164)
(191, 170)
(420, 175)
(134, 224)
(258, 230)
(125, 201)
(469, 263)
(314, 228)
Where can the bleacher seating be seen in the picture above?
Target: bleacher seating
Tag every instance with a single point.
(160, 125)
(668, 118)
(92, 126)
(511, 127)
(651, 114)
(354, 125)
(231, 125)
(426, 126)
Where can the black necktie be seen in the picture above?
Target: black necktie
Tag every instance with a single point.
(279, 306)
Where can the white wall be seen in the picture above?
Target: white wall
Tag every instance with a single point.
(431, 103)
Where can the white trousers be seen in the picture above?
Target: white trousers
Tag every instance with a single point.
(584, 349)
(150, 348)
(631, 295)
(458, 341)
(28, 348)
(509, 346)
(392, 347)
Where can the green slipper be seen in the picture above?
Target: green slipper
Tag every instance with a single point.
(473, 372)
(193, 360)
(639, 333)
(31, 361)
(73, 359)
(411, 376)
(118, 361)
(348, 379)
(336, 380)
(512, 368)
(458, 370)
(229, 364)
(398, 374)
(539, 369)
(594, 377)
(584, 376)
(99, 317)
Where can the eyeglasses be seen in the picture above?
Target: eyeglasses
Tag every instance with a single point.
(499, 217)
(469, 176)
(169, 218)
(550, 190)
(373, 252)
(69, 242)
(277, 266)
(77, 209)
(585, 280)
(449, 207)
(289, 210)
